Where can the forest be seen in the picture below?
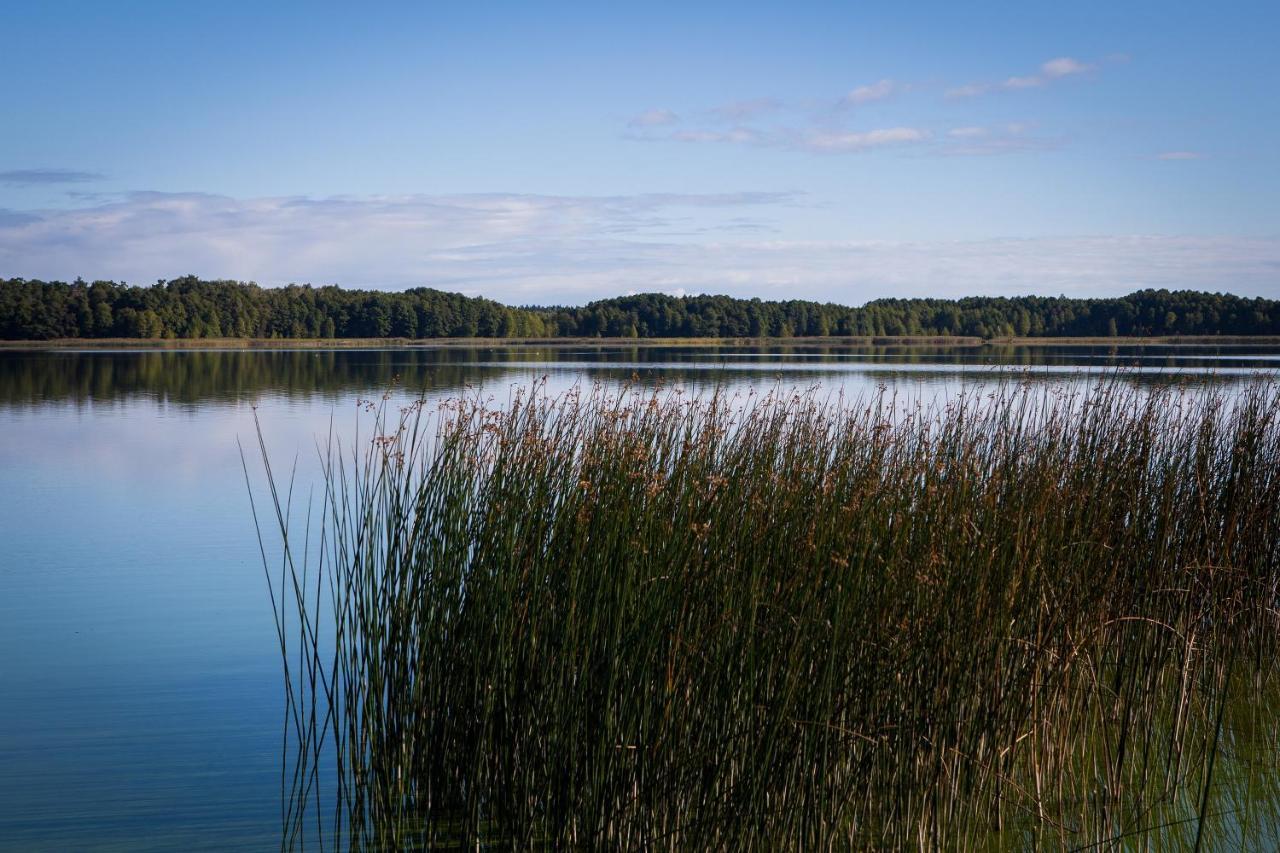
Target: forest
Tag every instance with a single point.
(190, 307)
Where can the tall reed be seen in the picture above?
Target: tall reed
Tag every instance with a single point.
(630, 619)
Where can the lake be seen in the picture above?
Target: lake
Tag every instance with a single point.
(142, 702)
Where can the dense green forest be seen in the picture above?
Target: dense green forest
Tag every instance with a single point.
(192, 308)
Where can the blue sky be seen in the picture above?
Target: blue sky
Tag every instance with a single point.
(557, 152)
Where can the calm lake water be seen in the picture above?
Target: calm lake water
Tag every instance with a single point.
(141, 703)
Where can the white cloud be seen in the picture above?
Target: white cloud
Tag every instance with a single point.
(1022, 83)
(1053, 69)
(805, 139)
(1180, 155)
(824, 141)
(738, 135)
(819, 127)
(654, 118)
(984, 141)
(1063, 66)
(872, 92)
(823, 126)
(522, 249)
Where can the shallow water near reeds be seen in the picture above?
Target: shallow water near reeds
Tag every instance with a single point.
(142, 702)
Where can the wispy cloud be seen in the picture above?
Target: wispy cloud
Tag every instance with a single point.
(974, 141)
(828, 126)
(39, 177)
(819, 141)
(959, 141)
(877, 91)
(522, 248)
(368, 240)
(1180, 155)
(836, 142)
(1063, 66)
(737, 136)
(737, 111)
(1053, 69)
(654, 118)
(1029, 82)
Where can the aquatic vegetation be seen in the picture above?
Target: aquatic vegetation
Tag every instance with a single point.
(637, 620)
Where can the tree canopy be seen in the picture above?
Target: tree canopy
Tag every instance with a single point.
(193, 308)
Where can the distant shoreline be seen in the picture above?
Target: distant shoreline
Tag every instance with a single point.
(448, 343)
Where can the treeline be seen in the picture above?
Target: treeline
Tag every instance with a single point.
(191, 308)
(1146, 312)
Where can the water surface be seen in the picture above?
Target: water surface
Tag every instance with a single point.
(142, 700)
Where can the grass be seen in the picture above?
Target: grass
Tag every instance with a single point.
(635, 620)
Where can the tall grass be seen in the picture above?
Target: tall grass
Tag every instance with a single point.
(629, 619)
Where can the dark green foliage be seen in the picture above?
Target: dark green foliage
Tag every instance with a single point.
(191, 308)
(1025, 620)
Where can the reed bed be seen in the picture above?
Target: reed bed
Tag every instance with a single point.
(629, 619)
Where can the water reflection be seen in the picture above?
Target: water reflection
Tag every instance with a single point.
(192, 377)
